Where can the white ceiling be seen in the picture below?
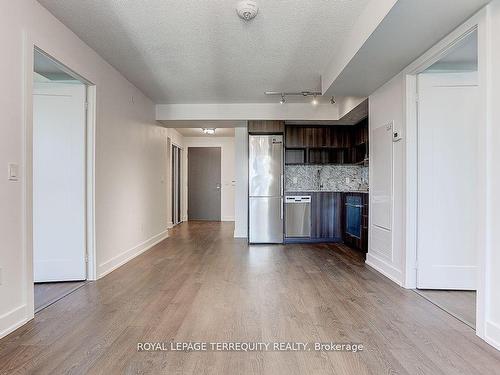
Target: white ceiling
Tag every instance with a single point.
(195, 51)
(198, 132)
(410, 29)
(463, 57)
(49, 69)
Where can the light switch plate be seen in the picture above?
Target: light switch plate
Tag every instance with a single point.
(13, 171)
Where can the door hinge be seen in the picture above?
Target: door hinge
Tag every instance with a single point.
(86, 258)
(86, 106)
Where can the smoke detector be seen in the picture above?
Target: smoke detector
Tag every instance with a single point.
(247, 9)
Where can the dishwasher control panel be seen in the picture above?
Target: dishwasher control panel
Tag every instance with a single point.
(298, 199)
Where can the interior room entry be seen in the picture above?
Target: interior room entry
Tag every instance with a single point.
(204, 183)
(59, 174)
(176, 184)
(447, 180)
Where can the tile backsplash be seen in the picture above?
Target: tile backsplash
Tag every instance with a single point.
(326, 177)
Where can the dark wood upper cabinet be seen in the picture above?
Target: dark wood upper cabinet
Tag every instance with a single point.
(266, 127)
(294, 137)
(339, 144)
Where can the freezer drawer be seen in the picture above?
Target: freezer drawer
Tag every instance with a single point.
(298, 216)
(265, 220)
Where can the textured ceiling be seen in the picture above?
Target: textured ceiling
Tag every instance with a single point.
(199, 51)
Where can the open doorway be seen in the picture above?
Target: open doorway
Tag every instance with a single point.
(448, 159)
(59, 181)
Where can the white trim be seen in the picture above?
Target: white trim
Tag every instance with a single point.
(384, 268)
(90, 175)
(13, 319)
(227, 218)
(119, 260)
(492, 334)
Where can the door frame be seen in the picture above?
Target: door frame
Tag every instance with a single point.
(29, 48)
(478, 23)
(180, 197)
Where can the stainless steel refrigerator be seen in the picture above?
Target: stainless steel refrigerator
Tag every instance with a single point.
(265, 190)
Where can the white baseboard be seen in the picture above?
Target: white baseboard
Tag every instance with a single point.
(12, 320)
(384, 268)
(119, 260)
(227, 218)
(492, 335)
(170, 225)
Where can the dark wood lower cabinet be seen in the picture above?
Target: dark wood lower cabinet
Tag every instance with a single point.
(328, 219)
(359, 242)
(326, 216)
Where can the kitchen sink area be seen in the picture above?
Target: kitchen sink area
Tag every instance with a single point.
(326, 185)
(309, 183)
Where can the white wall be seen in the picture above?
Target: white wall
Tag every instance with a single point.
(386, 249)
(492, 277)
(247, 111)
(241, 177)
(130, 201)
(227, 171)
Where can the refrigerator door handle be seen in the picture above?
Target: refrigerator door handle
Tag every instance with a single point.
(282, 184)
(281, 208)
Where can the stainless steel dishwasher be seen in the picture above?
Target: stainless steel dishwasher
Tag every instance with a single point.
(298, 216)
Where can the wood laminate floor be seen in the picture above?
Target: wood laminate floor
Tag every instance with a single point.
(203, 285)
(48, 293)
(459, 303)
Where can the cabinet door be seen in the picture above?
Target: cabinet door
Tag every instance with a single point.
(266, 127)
(294, 137)
(326, 213)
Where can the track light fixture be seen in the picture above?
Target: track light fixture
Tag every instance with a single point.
(283, 95)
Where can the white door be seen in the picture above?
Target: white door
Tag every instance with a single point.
(59, 182)
(447, 173)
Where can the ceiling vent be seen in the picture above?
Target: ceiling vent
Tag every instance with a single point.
(247, 9)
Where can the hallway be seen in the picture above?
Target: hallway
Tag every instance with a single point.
(203, 285)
